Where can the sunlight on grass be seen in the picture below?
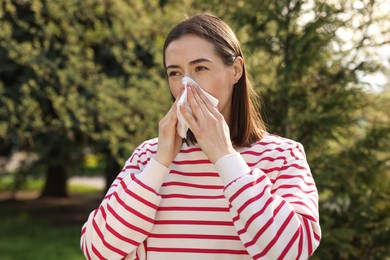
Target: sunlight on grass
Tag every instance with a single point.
(32, 184)
(83, 189)
(7, 184)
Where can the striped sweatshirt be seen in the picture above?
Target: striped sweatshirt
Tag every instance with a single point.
(258, 203)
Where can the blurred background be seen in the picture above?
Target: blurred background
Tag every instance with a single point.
(82, 84)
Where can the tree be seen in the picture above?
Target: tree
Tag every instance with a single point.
(310, 79)
(315, 96)
(78, 73)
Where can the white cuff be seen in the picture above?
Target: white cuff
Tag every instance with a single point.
(153, 175)
(230, 167)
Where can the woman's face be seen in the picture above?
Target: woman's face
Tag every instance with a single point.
(195, 57)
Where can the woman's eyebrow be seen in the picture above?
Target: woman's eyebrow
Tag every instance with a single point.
(172, 67)
(193, 62)
(199, 61)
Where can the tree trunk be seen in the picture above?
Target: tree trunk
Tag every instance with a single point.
(56, 182)
(111, 171)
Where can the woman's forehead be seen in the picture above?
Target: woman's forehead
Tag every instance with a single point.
(189, 48)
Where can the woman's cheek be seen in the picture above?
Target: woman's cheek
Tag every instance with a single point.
(175, 91)
(177, 88)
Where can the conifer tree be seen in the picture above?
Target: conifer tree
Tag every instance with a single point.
(79, 73)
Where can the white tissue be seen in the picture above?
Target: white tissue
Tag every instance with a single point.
(182, 125)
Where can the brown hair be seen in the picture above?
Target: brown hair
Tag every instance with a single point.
(246, 125)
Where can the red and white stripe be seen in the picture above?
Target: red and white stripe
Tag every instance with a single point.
(260, 203)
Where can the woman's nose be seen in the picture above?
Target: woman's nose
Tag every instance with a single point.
(191, 76)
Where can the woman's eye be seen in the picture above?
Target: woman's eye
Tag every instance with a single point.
(173, 73)
(200, 68)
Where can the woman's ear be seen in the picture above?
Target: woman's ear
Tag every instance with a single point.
(238, 68)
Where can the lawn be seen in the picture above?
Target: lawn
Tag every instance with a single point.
(45, 228)
(25, 237)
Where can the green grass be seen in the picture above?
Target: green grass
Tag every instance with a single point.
(25, 237)
(83, 189)
(32, 184)
(7, 184)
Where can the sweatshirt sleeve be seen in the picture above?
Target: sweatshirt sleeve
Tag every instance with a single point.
(122, 222)
(278, 218)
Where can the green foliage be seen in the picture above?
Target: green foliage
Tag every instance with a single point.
(79, 72)
(355, 185)
(312, 93)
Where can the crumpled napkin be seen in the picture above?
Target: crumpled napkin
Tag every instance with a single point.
(182, 125)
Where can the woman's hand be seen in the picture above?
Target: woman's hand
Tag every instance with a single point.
(169, 142)
(208, 125)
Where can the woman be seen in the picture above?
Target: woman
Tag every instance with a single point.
(229, 191)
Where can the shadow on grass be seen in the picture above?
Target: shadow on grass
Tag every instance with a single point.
(44, 228)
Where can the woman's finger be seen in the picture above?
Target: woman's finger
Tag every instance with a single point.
(190, 117)
(196, 105)
(201, 98)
